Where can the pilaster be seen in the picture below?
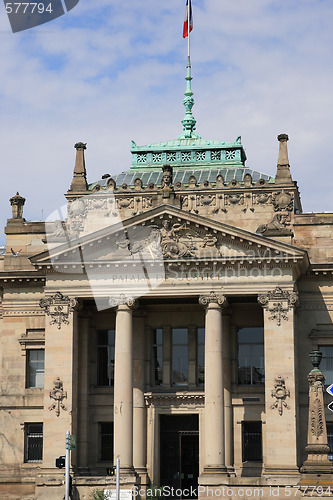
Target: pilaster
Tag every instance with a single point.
(59, 381)
(280, 443)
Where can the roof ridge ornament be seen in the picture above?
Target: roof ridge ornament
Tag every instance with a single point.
(283, 175)
(188, 121)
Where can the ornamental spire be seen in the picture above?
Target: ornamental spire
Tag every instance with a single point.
(188, 121)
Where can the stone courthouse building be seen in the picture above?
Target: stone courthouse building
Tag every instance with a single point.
(167, 319)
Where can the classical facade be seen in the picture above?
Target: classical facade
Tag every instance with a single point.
(167, 321)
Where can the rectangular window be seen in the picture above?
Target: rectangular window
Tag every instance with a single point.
(105, 357)
(251, 367)
(33, 442)
(35, 367)
(200, 356)
(106, 441)
(157, 356)
(326, 364)
(179, 356)
(252, 441)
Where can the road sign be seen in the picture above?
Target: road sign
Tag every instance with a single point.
(330, 406)
(330, 390)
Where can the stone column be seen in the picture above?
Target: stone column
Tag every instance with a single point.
(317, 445)
(60, 381)
(123, 385)
(228, 412)
(280, 452)
(139, 407)
(214, 468)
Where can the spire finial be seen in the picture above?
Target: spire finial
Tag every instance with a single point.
(79, 182)
(283, 174)
(188, 121)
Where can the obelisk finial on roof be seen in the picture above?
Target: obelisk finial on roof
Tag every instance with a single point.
(188, 120)
(79, 182)
(283, 174)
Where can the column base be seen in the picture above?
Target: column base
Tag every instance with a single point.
(142, 476)
(231, 471)
(317, 467)
(280, 470)
(214, 475)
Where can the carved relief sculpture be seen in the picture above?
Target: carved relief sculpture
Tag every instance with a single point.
(278, 302)
(58, 395)
(317, 447)
(280, 393)
(59, 308)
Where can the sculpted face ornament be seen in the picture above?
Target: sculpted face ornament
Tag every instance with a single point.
(280, 393)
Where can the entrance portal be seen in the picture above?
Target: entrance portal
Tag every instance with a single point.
(179, 453)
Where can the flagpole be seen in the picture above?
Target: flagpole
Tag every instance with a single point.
(188, 27)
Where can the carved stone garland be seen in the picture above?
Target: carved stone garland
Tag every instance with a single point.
(59, 307)
(278, 302)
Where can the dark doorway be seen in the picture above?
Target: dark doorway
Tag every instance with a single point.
(179, 452)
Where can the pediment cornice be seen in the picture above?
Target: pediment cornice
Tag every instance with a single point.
(174, 236)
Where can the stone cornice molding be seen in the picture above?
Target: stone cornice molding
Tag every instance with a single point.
(212, 298)
(123, 300)
(278, 302)
(59, 307)
(175, 399)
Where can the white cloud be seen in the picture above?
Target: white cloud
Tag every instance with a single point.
(112, 71)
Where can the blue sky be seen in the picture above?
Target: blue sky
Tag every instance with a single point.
(110, 71)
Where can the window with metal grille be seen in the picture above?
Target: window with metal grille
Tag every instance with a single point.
(35, 367)
(251, 442)
(106, 441)
(251, 367)
(105, 357)
(33, 442)
(157, 357)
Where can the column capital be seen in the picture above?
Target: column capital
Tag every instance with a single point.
(123, 300)
(212, 298)
(291, 298)
(278, 302)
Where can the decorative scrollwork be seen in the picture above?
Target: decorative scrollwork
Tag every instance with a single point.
(123, 300)
(58, 394)
(212, 297)
(280, 393)
(59, 308)
(278, 302)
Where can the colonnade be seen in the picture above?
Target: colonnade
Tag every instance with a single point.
(280, 448)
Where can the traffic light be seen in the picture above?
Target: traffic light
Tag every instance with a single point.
(60, 462)
(110, 471)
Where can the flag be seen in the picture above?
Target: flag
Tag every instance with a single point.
(185, 28)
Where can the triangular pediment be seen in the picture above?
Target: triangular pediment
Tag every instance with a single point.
(167, 234)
